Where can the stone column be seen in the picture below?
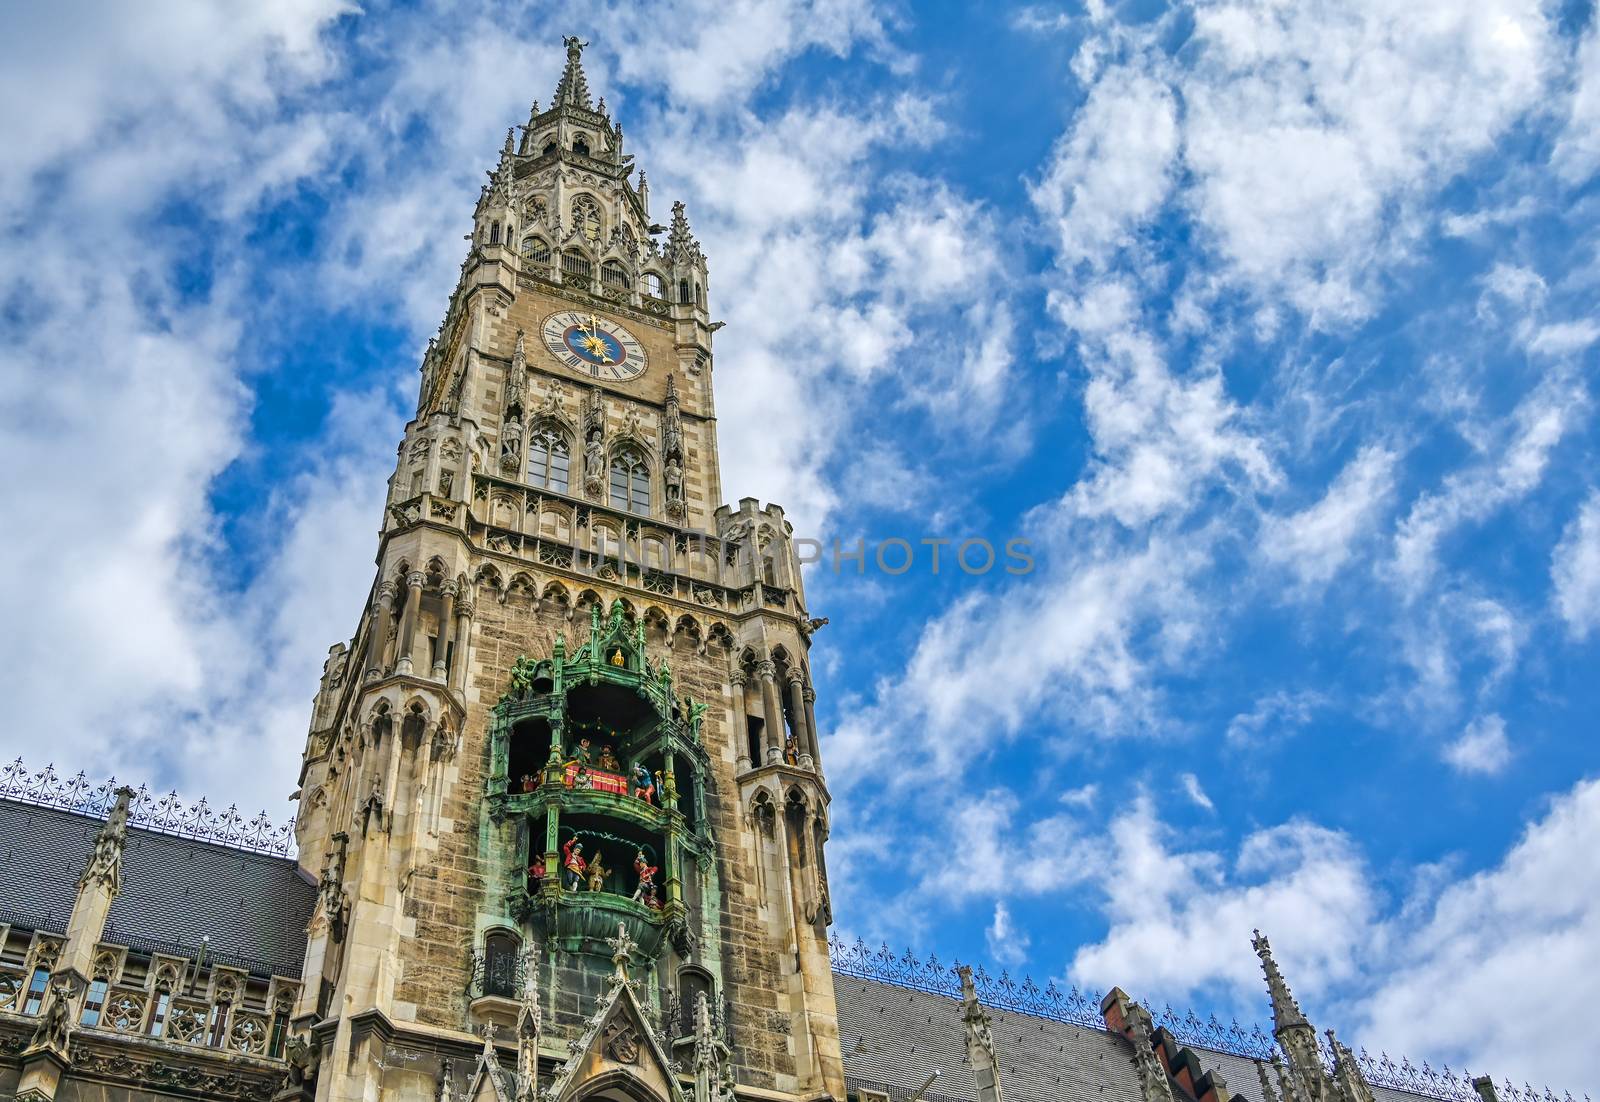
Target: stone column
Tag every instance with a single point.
(741, 724)
(797, 708)
(378, 637)
(810, 696)
(463, 636)
(446, 629)
(772, 737)
(408, 621)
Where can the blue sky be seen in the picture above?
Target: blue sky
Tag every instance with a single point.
(1269, 326)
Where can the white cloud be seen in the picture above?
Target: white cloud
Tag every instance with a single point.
(1113, 168)
(1502, 954)
(1007, 944)
(1482, 747)
(1577, 153)
(1315, 543)
(1575, 571)
(1472, 494)
(1196, 794)
(1281, 710)
(1314, 130)
(1180, 920)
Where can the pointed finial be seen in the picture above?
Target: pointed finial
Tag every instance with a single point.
(574, 87)
(489, 1029)
(508, 148)
(969, 990)
(1285, 1011)
(622, 948)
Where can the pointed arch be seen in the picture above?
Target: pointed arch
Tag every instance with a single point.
(629, 483)
(550, 454)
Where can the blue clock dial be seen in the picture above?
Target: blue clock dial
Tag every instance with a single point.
(593, 346)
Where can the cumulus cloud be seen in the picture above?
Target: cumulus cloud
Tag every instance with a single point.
(1492, 961)
(1482, 747)
(1007, 944)
(1180, 919)
(1316, 542)
(1575, 571)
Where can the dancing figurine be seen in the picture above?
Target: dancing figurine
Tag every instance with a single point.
(572, 860)
(644, 785)
(646, 891)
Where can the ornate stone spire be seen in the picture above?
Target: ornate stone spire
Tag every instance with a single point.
(680, 241)
(528, 1026)
(1295, 1035)
(105, 864)
(713, 1064)
(1285, 1011)
(980, 1040)
(573, 90)
(1347, 1077)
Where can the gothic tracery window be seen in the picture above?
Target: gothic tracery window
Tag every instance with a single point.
(653, 285)
(586, 217)
(630, 482)
(549, 458)
(536, 249)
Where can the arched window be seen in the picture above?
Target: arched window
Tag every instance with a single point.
(37, 984)
(499, 966)
(536, 249)
(494, 233)
(577, 265)
(549, 147)
(586, 217)
(580, 144)
(653, 285)
(630, 482)
(613, 275)
(549, 458)
(159, 1007)
(94, 1001)
(683, 292)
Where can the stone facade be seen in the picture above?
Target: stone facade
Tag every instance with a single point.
(556, 497)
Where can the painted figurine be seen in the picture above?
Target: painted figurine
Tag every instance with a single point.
(585, 754)
(529, 782)
(644, 786)
(646, 891)
(572, 860)
(597, 874)
(536, 874)
(608, 760)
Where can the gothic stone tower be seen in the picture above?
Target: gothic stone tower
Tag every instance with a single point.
(576, 716)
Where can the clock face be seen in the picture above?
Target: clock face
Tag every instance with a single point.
(601, 349)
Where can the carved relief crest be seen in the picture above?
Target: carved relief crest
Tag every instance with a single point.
(622, 1045)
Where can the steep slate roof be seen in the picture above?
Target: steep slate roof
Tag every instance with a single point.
(175, 891)
(894, 1037)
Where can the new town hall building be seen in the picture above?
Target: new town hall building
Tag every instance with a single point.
(562, 819)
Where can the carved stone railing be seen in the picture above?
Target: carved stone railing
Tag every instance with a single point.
(1082, 1008)
(167, 814)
